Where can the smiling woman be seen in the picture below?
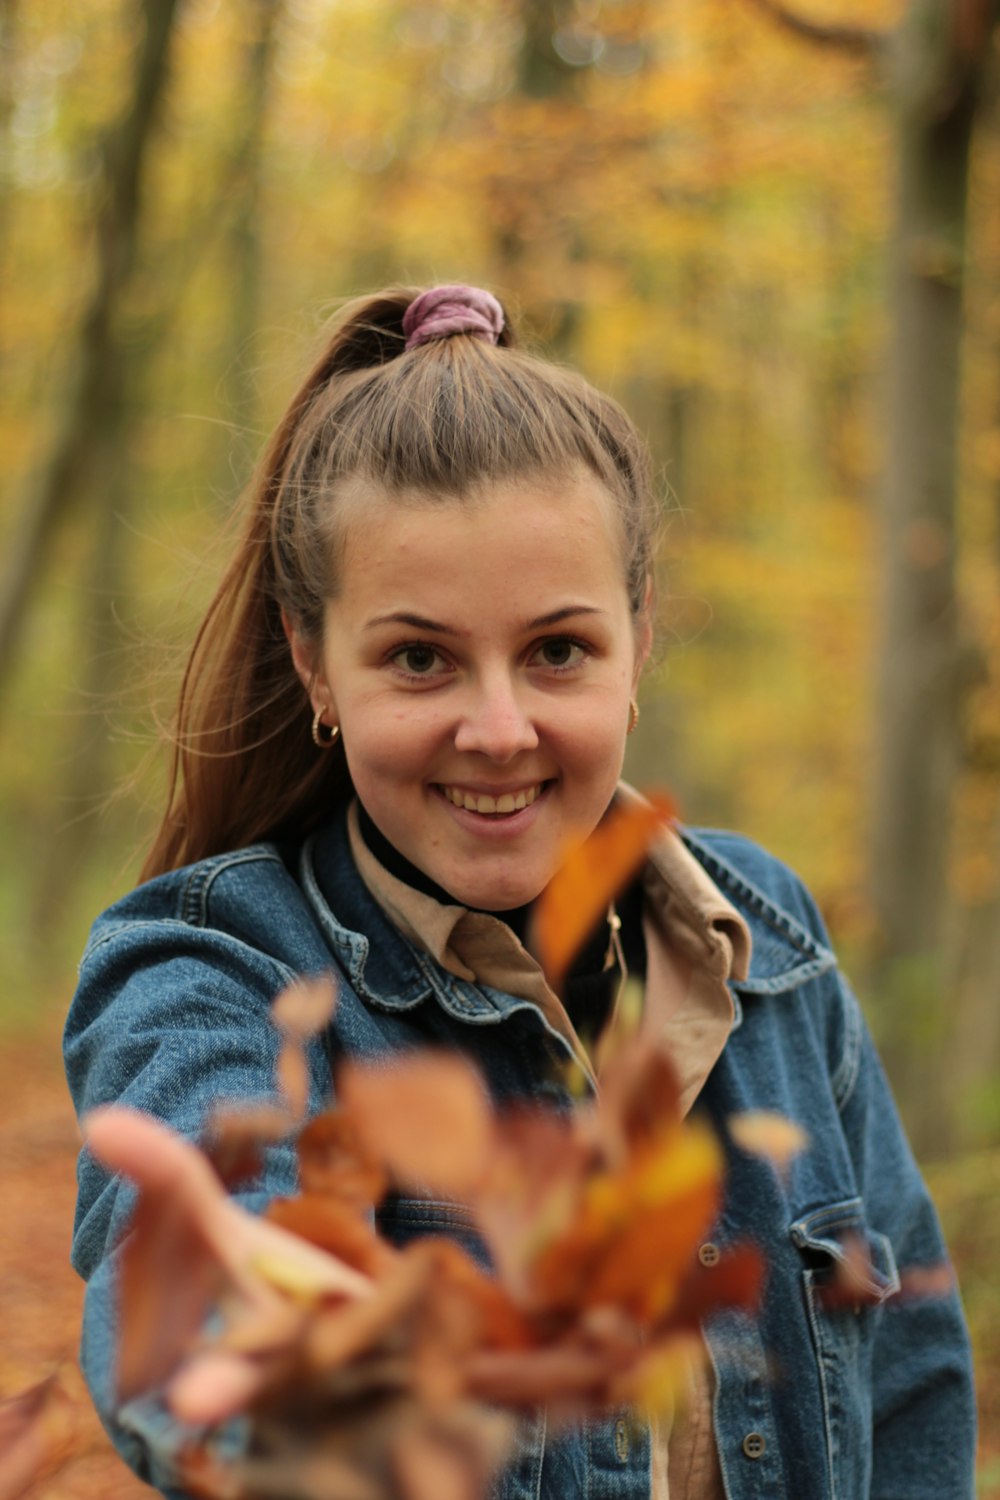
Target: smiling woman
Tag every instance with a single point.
(412, 688)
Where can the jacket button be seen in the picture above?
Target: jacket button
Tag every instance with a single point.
(622, 1443)
(709, 1254)
(754, 1445)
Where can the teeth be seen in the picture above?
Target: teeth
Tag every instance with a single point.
(506, 803)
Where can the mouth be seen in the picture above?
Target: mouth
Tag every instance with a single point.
(502, 805)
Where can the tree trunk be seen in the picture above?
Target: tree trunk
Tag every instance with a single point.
(245, 238)
(90, 423)
(920, 661)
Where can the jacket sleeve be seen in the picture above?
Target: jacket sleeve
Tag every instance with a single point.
(170, 1019)
(923, 1413)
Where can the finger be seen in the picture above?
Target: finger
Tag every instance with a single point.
(154, 1157)
(214, 1386)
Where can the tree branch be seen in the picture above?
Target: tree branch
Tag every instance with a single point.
(862, 40)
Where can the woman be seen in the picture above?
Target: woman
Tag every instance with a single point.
(415, 681)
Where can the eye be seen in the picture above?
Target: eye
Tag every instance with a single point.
(561, 653)
(419, 660)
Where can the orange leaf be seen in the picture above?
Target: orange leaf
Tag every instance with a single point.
(591, 875)
(425, 1116)
(38, 1434)
(763, 1133)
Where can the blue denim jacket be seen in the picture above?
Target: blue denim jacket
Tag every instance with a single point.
(810, 1404)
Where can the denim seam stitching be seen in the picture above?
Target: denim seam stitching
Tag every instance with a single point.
(197, 887)
(775, 916)
(824, 1390)
(844, 1080)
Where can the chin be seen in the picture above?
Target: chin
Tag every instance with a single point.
(494, 898)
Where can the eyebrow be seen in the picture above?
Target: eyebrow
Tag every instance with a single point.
(436, 627)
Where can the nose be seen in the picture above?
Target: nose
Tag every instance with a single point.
(495, 722)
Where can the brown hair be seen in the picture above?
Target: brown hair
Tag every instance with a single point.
(439, 419)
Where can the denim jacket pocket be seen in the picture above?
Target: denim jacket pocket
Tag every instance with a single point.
(401, 1220)
(849, 1272)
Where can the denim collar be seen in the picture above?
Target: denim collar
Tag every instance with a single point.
(391, 973)
(785, 954)
(384, 967)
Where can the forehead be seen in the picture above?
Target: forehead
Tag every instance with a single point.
(541, 535)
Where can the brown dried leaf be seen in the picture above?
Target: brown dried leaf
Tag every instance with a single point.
(562, 1375)
(292, 1071)
(333, 1162)
(425, 1116)
(39, 1433)
(853, 1281)
(335, 1227)
(928, 1281)
(305, 1008)
(334, 1338)
(640, 1099)
(736, 1280)
(299, 1012)
(238, 1135)
(531, 1191)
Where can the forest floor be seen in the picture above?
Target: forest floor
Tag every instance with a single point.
(41, 1297)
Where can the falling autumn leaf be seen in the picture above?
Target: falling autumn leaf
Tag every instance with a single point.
(300, 1012)
(774, 1136)
(238, 1135)
(304, 1008)
(38, 1433)
(426, 1117)
(591, 875)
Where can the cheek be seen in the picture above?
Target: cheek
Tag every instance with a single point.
(393, 746)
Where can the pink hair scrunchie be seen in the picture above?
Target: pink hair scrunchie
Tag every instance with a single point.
(445, 310)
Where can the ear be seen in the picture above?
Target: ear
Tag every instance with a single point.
(308, 662)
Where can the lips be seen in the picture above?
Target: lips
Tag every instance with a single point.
(503, 804)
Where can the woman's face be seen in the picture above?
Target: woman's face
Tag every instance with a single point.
(479, 659)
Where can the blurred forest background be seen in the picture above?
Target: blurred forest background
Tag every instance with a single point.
(771, 229)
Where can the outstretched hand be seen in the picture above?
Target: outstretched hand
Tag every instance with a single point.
(206, 1252)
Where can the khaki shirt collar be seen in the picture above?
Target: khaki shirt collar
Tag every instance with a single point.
(695, 941)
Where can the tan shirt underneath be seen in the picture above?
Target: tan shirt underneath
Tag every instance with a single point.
(695, 942)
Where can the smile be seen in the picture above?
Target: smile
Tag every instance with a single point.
(482, 802)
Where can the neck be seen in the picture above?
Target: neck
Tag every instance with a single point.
(404, 869)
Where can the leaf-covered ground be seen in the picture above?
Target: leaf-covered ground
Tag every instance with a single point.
(40, 1296)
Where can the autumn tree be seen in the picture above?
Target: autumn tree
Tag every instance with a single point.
(933, 64)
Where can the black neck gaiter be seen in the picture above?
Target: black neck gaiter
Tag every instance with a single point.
(590, 988)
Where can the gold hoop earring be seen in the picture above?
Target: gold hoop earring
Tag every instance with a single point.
(334, 736)
(633, 715)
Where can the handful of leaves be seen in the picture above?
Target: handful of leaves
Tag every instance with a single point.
(372, 1370)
